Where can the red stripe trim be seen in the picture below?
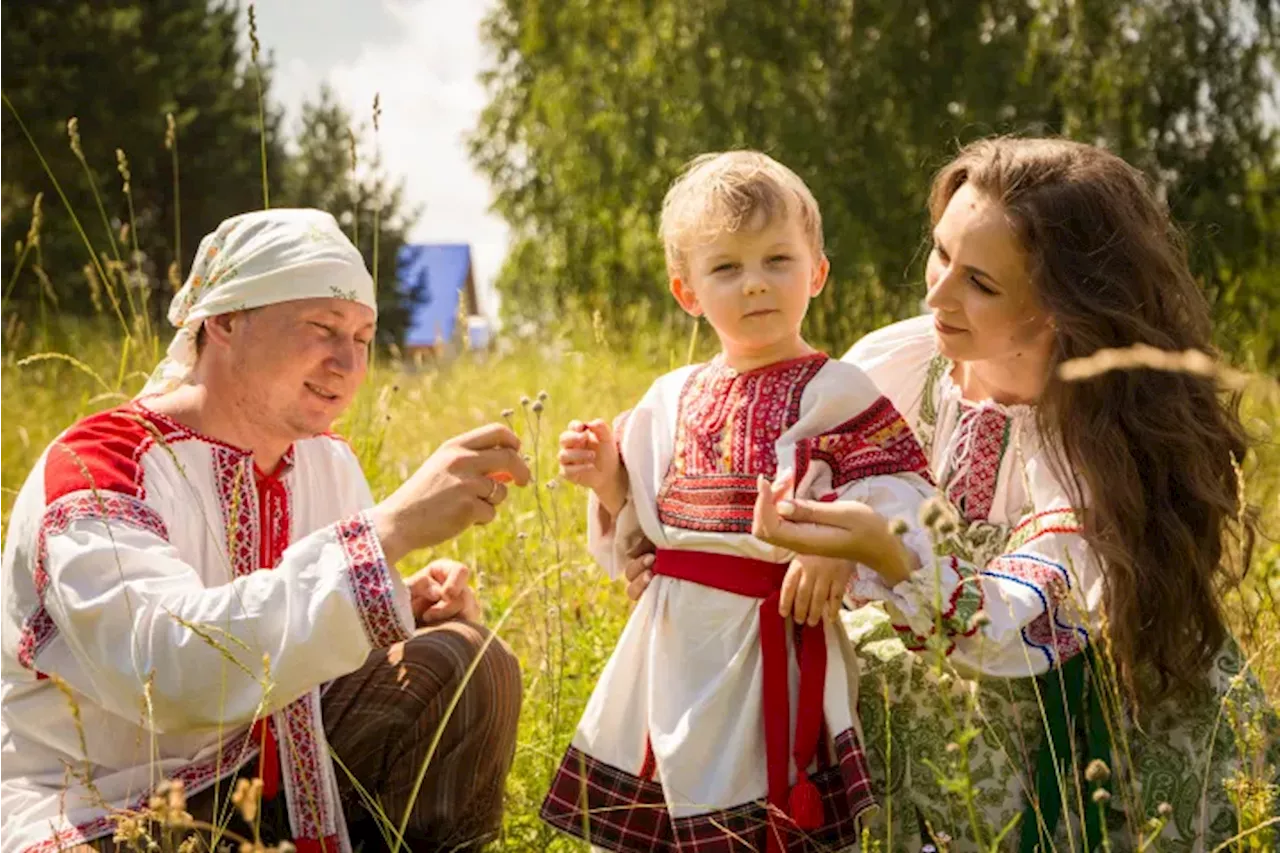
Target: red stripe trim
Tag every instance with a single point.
(1032, 518)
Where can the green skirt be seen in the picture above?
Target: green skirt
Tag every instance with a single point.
(956, 757)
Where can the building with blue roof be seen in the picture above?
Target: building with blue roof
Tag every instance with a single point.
(444, 273)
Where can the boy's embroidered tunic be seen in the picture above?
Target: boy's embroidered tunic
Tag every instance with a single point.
(671, 752)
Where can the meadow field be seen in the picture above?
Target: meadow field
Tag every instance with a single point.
(539, 587)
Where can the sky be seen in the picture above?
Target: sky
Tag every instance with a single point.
(422, 57)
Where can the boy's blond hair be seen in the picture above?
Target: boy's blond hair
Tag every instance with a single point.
(727, 192)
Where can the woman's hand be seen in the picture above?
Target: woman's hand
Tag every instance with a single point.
(847, 530)
(639, 569)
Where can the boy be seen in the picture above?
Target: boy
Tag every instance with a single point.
(689, 728)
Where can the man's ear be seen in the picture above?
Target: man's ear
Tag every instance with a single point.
(220, 327)
(686, 296)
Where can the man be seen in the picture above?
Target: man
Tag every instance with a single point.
(200, 578)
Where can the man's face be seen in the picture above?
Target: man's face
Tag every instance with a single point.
(300, 363)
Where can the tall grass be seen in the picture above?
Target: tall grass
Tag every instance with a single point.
(538, 585)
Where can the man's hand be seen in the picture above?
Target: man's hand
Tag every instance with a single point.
(814, 587)
(589, 457)
(459, 485)
(440, 592)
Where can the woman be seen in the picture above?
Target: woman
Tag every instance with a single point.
(1069, 506)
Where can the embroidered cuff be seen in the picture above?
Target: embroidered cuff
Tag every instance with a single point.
(386, 616)
(944, 593)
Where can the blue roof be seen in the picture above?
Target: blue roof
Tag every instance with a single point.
(441, 271)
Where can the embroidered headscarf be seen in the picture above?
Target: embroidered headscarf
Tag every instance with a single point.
(257, 259)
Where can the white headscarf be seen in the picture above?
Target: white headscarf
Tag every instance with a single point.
(257, 259)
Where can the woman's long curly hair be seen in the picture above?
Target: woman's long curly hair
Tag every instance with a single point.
(1156, 453)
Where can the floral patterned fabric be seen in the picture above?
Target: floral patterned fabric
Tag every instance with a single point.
(257, 259)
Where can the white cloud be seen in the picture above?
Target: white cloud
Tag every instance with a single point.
(431, 98)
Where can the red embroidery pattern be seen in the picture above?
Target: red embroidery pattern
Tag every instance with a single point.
(195, 777)
(308, 792)
(878, 441)
(726, 431)
(1058, 642)
(974, 491)
(238, 500)
(957, 620)
(371, 582)
(1049, 633)
(256, 518)
(109, 508)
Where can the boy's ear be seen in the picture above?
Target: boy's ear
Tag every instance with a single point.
(685, 295)
(820, 273)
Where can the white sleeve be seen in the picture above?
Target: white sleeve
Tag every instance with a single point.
(896, 358)
(865, 452)
(124, 608)
(610, 540)
(1021, 612)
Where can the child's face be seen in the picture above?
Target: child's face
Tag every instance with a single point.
(754, 287)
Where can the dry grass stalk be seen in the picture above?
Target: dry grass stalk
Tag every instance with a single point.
(1144, 356)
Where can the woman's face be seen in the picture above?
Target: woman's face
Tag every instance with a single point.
(984, 303)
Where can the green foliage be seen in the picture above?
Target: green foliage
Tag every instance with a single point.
(120, 68)
(595, 107)
(333, 170)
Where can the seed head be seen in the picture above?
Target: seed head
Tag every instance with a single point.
(246, 797)
(508, 413)
(931, 513)
(37, 219)
(1097, 771)
(899, 527)
(122, 166)
(170, 132)
(1102, 795)
(253, 33)
(73, 134)
(1164, 810)
(542, 396)
(537, 407)
(524, 401)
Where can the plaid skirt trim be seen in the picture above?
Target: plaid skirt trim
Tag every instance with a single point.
(622, 812)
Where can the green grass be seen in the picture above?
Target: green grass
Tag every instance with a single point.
(568, 615)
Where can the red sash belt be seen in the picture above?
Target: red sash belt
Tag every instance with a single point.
(763, 580)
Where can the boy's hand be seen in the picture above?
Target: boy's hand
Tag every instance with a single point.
(814, 587)
(589, 457)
